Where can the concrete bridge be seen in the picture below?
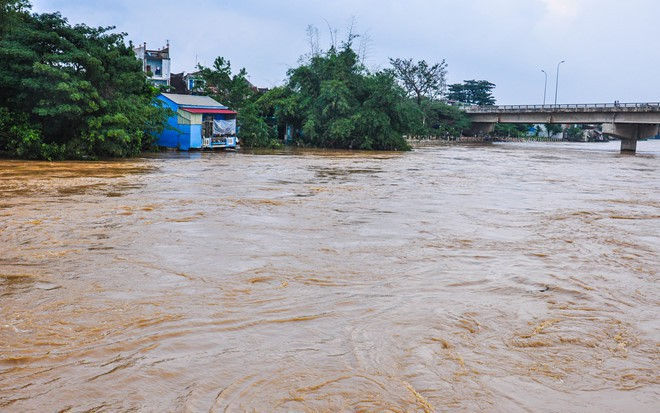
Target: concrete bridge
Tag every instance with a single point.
(626, 121)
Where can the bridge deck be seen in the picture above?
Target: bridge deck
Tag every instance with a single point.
(571, 108)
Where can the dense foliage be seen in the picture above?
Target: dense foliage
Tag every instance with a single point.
(426, 85)
(444, 120)
(235, 91)
(330, 101)
(335, 102)
(513, 130)
(552, 129)
(420, 80)
(574, 133)
(472, 92)
(70, 91)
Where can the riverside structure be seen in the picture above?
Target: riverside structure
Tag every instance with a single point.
(629, 122)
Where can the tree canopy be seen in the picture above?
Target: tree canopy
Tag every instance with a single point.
(235, 91)
(472, 92)
(515, 130)
(419, 79)
(331, 100)
(70, 91)
(552, 129)
(334, 101)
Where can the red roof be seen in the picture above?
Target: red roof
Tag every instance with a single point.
(201, 110)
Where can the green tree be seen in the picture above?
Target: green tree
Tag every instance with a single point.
(254, 132)
(11, 11)
(574, 133)
(71, 91)
(423, 83)
(333, 101)
(233, 90)
(515, 130)
(419, 79)
(472, 92)
(552, 129)
(447, 120)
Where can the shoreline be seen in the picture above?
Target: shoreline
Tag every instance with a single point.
(414, 143)
(475, 140)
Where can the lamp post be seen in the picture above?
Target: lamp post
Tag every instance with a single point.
(545, 85)
(557, 81)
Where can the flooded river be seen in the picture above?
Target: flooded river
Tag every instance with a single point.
(509, 277)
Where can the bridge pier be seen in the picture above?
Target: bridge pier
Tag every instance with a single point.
(480, 128)
(630, 133)
(628, 145)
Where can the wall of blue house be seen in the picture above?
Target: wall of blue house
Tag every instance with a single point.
(195, 137)
(171, 137)
(176, 135)
(175, 138)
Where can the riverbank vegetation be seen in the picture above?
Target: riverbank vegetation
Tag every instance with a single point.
(73, 92)
(78, 92)
(472, 92)
(511, 130)
(330, 100)
(333, 100)
(235, 91)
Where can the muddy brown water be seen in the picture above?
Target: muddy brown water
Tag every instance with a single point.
(510, 277)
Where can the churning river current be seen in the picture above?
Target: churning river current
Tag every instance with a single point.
(508, 277)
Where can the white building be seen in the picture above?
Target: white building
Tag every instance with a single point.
(155, 63)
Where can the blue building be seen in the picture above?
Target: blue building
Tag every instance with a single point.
(199, 122)
(194, 82)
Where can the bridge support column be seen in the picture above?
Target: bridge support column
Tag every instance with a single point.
(628, 145)
(481, 128)
(630, 133)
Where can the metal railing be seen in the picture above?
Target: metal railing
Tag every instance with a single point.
(571, 107)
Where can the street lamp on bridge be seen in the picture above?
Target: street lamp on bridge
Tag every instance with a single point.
(557, 81)
(545, 85)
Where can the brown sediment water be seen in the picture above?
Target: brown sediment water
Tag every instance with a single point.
(509, 277)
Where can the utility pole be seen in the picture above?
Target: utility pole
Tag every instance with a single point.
(557, 81)
(545, 85)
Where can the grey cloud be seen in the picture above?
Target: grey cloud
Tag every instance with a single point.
(609, 46)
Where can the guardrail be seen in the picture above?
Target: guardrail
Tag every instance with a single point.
(571, 107)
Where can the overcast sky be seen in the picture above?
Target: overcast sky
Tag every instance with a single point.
(610, 46)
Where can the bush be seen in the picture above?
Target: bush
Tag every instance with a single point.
(334, 102)
(253, 131)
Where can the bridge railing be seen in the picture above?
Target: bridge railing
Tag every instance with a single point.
(570, 107)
